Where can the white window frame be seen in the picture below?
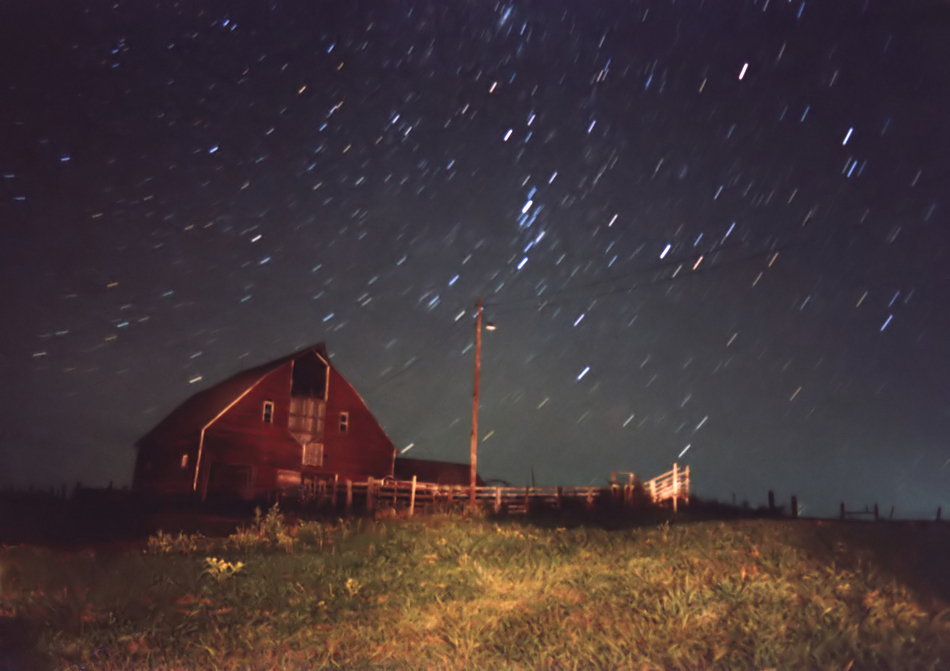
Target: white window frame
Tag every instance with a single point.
(184, 460)
(268, 417)
(344, 422)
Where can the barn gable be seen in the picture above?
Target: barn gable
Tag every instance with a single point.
(276, 426)
(199, 410)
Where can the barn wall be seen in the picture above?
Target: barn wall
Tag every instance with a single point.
(251, 454)
(158, 467)
(364, 449)
(241, 437)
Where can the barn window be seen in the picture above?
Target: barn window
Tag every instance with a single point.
(184, 460)
(344, 422)
(313, 454)
(268, 412)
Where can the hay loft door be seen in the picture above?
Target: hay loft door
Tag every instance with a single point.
(308, 406)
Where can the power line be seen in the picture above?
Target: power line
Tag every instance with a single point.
(432, 345)
(562, 295)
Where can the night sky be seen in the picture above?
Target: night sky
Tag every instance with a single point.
(707, 232)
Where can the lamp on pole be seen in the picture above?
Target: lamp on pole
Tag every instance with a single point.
(473, 472)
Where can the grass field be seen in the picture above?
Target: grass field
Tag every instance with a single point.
(462, 592)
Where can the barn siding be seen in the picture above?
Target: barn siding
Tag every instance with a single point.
(158, 468)
(240, 437)
(246, 416)
(364, 450)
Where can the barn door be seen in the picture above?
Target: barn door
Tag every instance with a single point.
(229, 479)
(307, 416)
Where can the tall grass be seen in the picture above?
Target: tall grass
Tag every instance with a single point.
(455, 592)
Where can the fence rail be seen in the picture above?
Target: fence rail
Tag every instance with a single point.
(670, 486)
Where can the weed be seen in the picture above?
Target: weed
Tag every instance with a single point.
(353, 586)
(266, 531)
(220, 569)
(162, 543)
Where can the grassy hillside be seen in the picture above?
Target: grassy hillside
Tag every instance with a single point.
(458, 592)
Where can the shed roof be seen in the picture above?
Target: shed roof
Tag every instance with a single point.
(189, 418)
(440, 472)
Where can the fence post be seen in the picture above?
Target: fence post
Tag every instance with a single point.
(842, 510)
(892, 513)
(370, 484)
(771, 502)
(349, 497)
(676, 491)
(558, 498)
(497, 500)
(336, 483)
(412, 497)
(794, 507)
(653, 490)
(875, 513)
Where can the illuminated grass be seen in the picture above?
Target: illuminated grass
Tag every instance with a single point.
(469, 593)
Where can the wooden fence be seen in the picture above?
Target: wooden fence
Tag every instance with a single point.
(670, 486)
(875, 513)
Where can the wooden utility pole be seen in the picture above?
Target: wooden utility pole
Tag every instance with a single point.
(478, 371)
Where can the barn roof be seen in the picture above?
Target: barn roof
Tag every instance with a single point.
(439, 472)
(189, 418)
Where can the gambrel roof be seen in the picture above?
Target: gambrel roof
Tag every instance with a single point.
(189, 418)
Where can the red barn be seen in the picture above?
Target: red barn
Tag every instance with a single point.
(281, 426)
